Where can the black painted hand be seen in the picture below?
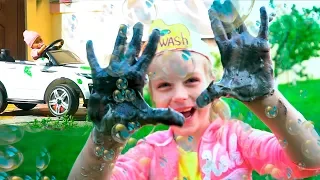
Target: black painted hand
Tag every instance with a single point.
(248, 72)
(117, 96)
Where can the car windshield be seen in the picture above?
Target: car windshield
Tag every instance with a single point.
(63, 57)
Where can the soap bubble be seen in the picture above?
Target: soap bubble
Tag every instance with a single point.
(26, 177)
(302, 166)
(309, 150)
(16, 178)
(130, 95)
(197, 12)
(118, 96)
(271, 111)
(10, 158)
(283, 143)
(108, 155)
(174, 63)
(32, 128)
(293, 127)
(143, 11)
(144, 161)
(4, 176)
(184, 142)
(10, 134)
(43, 159)
(163, 161)
(120, 133)
(122, 83)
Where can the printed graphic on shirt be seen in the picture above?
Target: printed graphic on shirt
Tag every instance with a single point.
(220, 164)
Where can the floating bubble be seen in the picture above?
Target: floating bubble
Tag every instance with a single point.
(4, 176)
(26, 177)
(16, 178)
(32, 128)
(45, 178)
(246, 127)
(308, 125)
(108, 155)
(164, 32)
(122, 83)
(249, 116)
(315, 134)
(132, 141)
(271, 111)
(302, 166)
(130, 95)
(10, 134)
(186, 55)
(163, 161)
(151, 75)
(10, 158)
(303, 93)
(309, 150)
(120, 133)
(293, 127)
(143, 11)
(43, 159)
(227, 11)
(184, 142)
(38, 175)
(267, 169)
(145, 161)
(283, 143)
(245, 177)
(149, 3)
(118, 96)
(131, 127)
(98, 151)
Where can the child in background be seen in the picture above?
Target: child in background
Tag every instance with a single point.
(35, 42)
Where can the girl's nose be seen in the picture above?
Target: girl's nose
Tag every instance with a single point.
(181, 94)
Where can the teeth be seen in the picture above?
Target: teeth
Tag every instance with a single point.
(186, 110)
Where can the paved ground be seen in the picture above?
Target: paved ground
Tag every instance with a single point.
(15, 115)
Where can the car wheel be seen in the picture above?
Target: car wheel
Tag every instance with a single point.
(25, 106)
(3, 100)
(63, 100)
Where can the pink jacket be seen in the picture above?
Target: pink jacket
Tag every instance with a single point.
(227, 151)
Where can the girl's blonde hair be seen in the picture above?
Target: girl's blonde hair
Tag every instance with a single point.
(219, 108)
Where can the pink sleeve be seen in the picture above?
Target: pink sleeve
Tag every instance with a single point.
(265, 154)
(135, 164)
(34, 53)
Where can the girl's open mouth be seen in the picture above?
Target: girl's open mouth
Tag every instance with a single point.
(189, 113)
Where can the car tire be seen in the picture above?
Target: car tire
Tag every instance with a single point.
(63, 100)
(25, 106)
(3, 100)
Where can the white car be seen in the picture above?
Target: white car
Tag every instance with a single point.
(58, 79)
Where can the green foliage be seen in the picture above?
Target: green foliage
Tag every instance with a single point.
(296, 38)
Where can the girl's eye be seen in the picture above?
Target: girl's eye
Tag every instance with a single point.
(163, 85)
(192, 80)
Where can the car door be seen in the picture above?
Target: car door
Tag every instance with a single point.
(30, 81)
(9, 78)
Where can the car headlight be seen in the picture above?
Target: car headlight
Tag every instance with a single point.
(88, 76)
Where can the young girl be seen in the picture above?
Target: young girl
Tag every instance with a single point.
(35, 42)
(201, 144)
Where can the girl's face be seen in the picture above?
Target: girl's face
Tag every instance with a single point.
(37, 43)
(176, 82)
